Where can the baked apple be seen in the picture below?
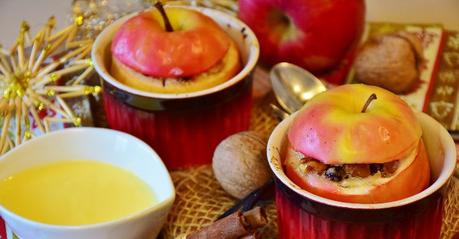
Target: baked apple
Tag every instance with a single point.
(357, 143)
(194, 54)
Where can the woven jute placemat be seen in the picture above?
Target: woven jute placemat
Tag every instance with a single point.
(450, 226)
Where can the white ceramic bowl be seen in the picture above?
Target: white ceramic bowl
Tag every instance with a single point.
(113, 147)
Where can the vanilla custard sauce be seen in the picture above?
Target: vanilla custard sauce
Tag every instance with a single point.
(75, 192)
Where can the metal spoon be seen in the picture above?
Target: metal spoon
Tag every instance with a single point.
(294, 86)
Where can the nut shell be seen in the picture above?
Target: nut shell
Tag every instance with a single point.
(390, 61)
(239, 163)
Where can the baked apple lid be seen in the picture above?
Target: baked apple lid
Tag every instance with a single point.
(195, 45)
(344, 126)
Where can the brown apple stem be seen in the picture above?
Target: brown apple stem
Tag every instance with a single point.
(370, 99)
(167, 23)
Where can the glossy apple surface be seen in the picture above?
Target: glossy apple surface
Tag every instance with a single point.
(413, 179)
(315, 34)
(332, 129)
(196, 44)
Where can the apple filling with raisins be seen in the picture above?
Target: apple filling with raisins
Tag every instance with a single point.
(337, 173)
(351, 178)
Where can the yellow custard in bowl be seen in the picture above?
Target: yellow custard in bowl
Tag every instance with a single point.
(84, 183)
(75, 192)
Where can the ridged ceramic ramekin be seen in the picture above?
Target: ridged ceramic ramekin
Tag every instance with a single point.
(302, 214)
(183, 128)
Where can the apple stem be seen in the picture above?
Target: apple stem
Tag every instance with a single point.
(167, 23)
(370, 99)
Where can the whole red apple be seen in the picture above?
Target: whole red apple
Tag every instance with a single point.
(314, 34)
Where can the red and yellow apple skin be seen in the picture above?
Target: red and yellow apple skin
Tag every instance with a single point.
(229, 66)
(331, 128)
(315, 34)
(196, 44)
(412, 180)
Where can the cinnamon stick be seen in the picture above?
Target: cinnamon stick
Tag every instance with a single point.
(235, 226)
(230, 227)
(255, 218)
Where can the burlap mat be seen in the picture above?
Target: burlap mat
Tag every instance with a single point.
(451, 219)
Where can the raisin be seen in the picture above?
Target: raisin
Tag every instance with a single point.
(375, 167)
(335, 173)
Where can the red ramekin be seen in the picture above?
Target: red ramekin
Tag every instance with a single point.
(302, 214)
(183, 128)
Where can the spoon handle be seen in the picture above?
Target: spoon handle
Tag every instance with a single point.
(280, 113)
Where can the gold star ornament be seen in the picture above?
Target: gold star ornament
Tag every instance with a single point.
(37, 75)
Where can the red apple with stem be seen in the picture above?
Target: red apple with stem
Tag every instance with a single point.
(314, 34)
(170, 42)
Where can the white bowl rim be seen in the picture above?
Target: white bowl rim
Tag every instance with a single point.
(253, 54)
(282, 127)
(164, 203)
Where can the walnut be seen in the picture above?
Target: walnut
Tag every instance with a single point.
(390, 61)
(240, 165)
